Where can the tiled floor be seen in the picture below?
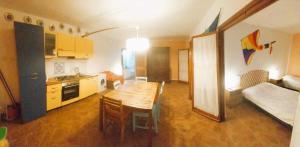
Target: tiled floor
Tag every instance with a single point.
(76, 125)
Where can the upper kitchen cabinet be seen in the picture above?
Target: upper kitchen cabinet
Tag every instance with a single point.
(65, 45)
(50, 44)
(83, 48)
(90, 47)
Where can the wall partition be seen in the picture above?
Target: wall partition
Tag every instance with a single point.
(205, 90)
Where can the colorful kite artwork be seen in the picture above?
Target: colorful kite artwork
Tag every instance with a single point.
(250, 46)
(214, 25)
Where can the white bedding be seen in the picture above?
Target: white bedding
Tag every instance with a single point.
(292, 82)
(278, 101)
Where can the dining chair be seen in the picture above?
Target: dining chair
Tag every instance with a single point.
(116, 84)
(155, 114)
(144, 115)
(161, 90)
(145, 79)
(113, 112)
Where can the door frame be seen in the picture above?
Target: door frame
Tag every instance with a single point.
(250, 9)
(188, 50)
(201, 112)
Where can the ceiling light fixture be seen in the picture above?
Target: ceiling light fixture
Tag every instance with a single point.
(137, 44)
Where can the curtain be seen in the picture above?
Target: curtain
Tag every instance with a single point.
(205, 74)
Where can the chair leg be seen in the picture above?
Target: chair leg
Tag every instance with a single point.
(104, 128)
(155, 123)
(122, 132)
(158, 112)
(133, 123)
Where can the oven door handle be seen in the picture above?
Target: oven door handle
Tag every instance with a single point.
(70, 86)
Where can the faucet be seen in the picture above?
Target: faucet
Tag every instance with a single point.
(76, 70)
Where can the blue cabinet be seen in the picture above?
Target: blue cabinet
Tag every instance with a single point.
(31, 68)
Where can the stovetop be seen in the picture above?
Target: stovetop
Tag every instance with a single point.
(69, 79)
(66, 78)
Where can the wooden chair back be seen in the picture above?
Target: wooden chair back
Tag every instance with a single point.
(161, 87)
(113, 109)
(145, 79)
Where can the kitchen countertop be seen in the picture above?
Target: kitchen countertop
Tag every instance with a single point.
(53, 81)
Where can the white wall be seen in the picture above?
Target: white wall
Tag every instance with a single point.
(235, 62)
(228, 8)
(107, 55)
(234, 59)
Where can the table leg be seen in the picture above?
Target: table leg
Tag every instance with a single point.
(101, 115)
(150, 128)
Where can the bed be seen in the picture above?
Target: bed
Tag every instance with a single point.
(277, 101)
(291, 82)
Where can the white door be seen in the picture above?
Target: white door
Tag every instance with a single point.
(183, 65)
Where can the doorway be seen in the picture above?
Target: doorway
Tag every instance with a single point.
(183, 65)
(128, 64)
(253, 7)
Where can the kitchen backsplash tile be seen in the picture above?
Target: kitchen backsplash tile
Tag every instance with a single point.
(59, 67)
(64, 66)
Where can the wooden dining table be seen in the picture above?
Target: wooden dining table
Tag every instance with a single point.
(136, 95)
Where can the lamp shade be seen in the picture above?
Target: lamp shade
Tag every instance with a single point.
(137, 44)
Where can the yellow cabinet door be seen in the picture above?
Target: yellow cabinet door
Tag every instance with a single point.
(93, 85)
(90, 47)
(83, 88)
(83, 47)
(65, 45)
(54, 96)
(88, 86)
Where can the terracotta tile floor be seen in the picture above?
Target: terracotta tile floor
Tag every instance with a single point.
(76, 125)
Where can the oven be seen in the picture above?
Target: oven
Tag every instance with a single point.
(70, 90)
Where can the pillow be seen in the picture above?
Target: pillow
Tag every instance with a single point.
(291, 82)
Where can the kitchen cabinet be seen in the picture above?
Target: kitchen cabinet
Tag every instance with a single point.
(65, 45)
(83, 48)
(50, 44)
(53, 96)
(31, 70)
(93, 88)
(83, 88)
(90, 47)
(88, 86)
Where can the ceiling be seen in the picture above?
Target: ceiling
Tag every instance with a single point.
(156, 18)
(284, 15)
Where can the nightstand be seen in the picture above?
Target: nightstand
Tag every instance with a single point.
(277, 82)
(233, 96)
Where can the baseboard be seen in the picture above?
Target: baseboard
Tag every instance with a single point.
(205, 114)
(178, 81)
(183, 81)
